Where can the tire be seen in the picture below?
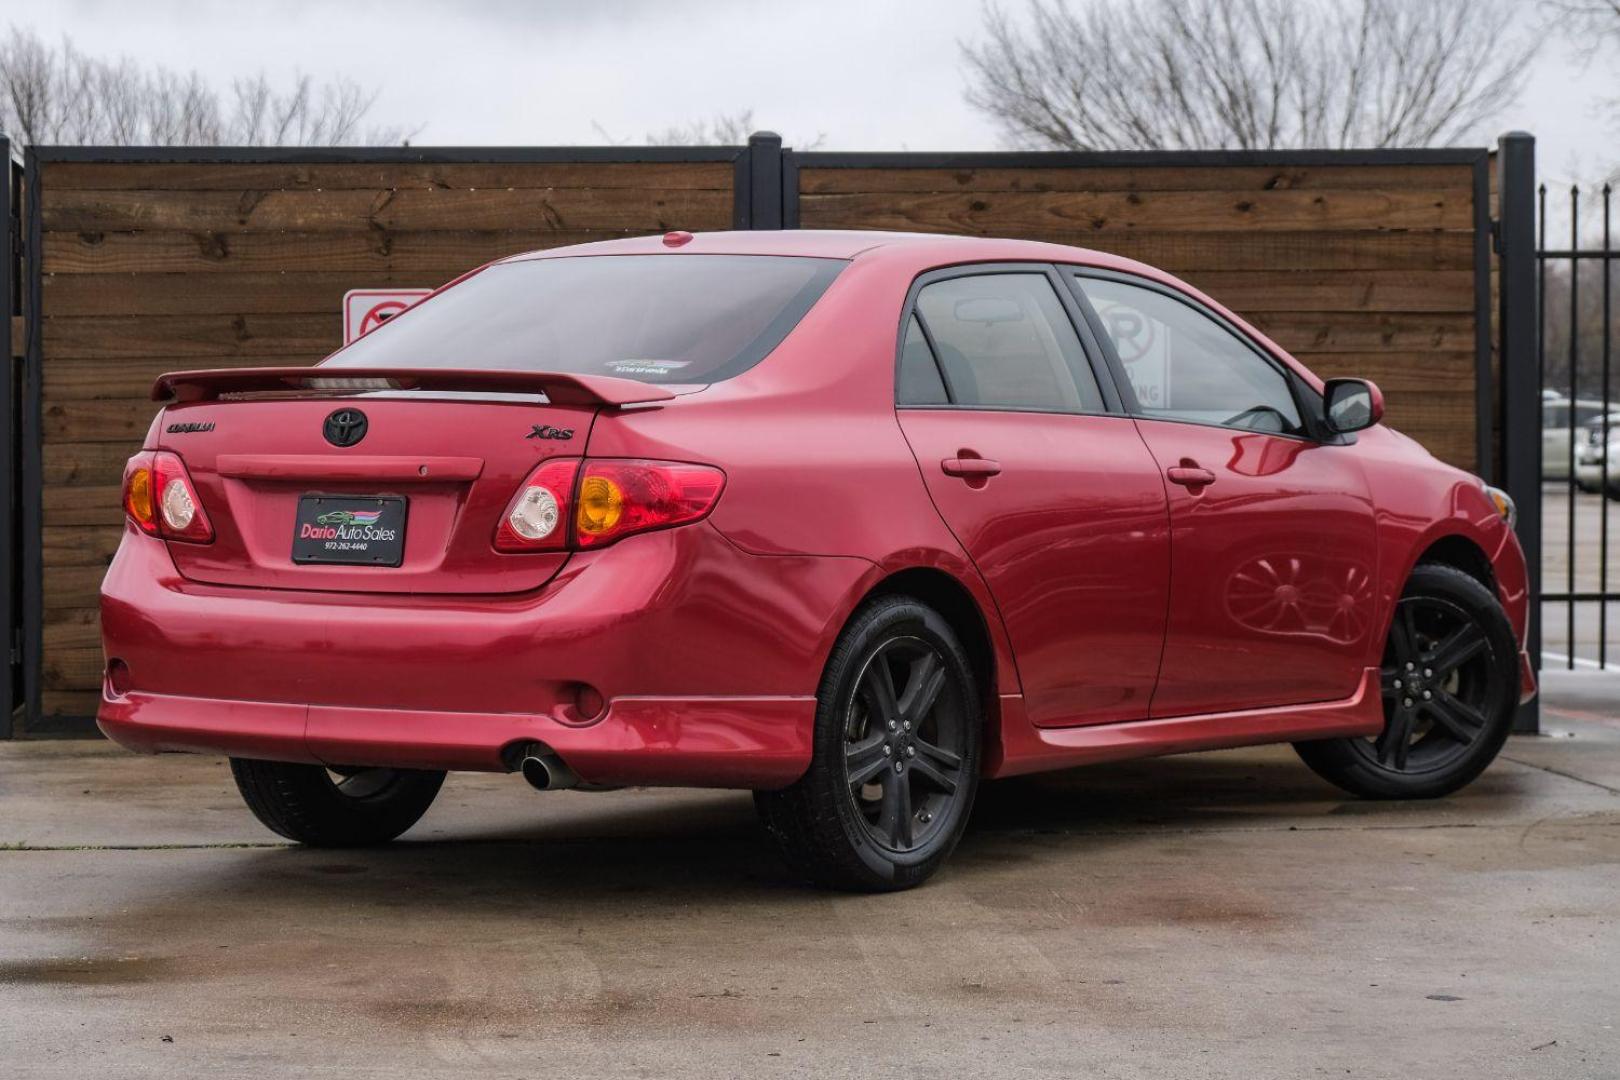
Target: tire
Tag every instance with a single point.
(356, 808)
(1450, 684)
(895, 766)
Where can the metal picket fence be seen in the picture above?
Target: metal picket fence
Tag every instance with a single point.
(1580, 466)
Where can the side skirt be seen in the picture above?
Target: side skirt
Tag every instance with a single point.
(1024, 748)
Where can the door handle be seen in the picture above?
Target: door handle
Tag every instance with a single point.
(1189, 475)
(971, 467)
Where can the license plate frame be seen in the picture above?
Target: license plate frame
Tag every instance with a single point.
(355, 542)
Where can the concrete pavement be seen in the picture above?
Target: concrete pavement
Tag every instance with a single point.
(1220, 915)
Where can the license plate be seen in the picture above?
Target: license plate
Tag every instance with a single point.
(364, 530)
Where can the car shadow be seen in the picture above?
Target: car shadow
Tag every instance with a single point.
(711, 845)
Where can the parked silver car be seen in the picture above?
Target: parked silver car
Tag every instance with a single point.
(1591, 463)
(1555, 431)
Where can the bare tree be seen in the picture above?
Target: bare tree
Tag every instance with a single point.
(1592, 28)
(1244, 74)
(1587, 326)
(306, 115)
(722, 129)
(1589, 24)
(61, 95)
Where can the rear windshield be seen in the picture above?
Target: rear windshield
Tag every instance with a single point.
(654, 318)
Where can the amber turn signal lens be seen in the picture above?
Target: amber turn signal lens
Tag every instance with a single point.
(1503, 503)
(601, 505)
(138, 502)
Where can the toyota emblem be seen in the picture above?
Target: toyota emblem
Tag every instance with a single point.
(345, 427)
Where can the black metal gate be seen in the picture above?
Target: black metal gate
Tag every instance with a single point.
(1580, 466)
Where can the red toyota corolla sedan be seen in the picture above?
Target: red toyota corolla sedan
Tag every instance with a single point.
(854, 520)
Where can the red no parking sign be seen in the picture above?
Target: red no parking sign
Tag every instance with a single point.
(366, 309)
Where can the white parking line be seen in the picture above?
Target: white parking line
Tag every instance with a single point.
(1562, 659)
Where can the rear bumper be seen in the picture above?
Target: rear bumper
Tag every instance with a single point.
(703, 742)
(707, 658)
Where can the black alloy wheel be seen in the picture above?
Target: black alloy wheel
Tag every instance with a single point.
(904, 744)
(1436, 679)
(899, 717)
(1449, 680)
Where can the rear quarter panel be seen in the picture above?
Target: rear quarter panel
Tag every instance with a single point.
(814, 457)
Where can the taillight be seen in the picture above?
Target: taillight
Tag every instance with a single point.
(537, 517)
(621, 497)
(568, 503)
(161, 500)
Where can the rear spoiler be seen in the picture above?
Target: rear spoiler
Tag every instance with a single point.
(559, 388)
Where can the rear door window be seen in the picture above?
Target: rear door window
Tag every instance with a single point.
(1004, 341)
(920, 381)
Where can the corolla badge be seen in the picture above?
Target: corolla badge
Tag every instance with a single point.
(345, 427)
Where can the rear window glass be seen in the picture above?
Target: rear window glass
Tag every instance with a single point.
(654, 318)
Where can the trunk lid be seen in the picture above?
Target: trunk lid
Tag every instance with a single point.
(455, 446)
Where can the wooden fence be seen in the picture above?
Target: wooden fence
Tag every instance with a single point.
(143, 261)
(147, 266)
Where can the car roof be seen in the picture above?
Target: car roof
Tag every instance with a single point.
(909, 252)
(848, 244)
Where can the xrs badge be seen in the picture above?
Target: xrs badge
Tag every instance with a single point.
(546, 431)
(345, 427)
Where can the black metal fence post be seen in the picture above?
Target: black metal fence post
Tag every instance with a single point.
(1485, 377)
(1518, 320)
(11, 248)
(30, 469)
(1603, 430)
(764, 180)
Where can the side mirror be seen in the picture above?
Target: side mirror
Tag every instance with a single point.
(1351, 404)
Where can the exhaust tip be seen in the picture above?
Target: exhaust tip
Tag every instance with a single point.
(118, 676)
(545, 771)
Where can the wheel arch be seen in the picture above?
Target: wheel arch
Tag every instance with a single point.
(1487, 554)
(975, 623)
(948, 596)
(1459, 552)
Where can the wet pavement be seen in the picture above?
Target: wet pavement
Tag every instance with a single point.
(1217, 915)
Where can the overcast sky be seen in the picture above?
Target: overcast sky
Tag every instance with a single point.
(869, 74)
